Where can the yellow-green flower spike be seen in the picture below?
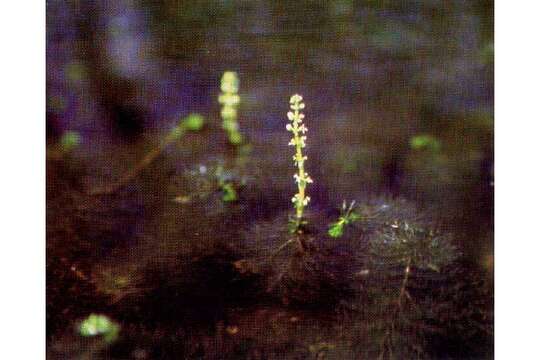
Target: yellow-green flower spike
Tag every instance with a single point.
(229, 100)
(298, 129)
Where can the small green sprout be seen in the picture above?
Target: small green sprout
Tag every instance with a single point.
(300, 200)
(226, 186)
(69, 141)
(193, 122)
(348, 216)
(99, 325)
(229, 99)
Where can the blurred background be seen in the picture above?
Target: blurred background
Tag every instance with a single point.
(399, 93)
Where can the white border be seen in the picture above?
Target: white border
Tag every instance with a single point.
(22, 191)
(517, 180)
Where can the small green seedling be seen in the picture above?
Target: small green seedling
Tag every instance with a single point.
(99, 325)
(300, 200)
(69, 141)
(348, 216)
(229, 100)
(226, 186)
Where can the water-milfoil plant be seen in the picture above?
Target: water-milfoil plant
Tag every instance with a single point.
(406, 243)
(348, 216)
(229, 100)
(298, 129)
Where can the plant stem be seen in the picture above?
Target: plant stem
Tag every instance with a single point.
(149, 158)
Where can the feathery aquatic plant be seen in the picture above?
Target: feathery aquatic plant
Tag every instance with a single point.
(298, 129)
(229, 99)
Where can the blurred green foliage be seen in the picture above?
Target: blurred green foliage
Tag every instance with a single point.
(425, 142)
(226, 185)
(75, 71)
(193, 122)
(229, 193)
(69, 141)
(99, 325)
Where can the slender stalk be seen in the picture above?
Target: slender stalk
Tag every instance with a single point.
(403, 290)
(193, 122)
